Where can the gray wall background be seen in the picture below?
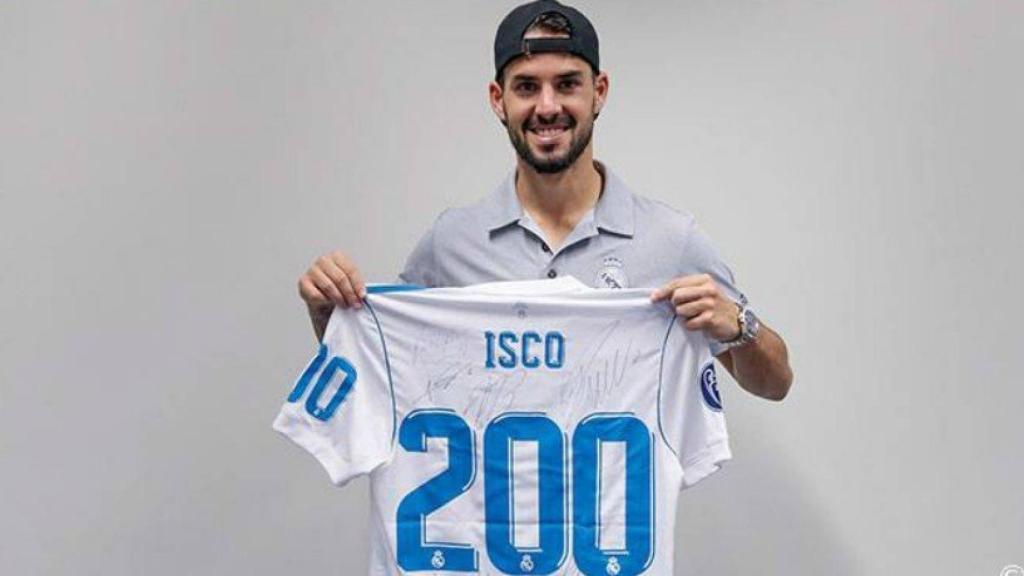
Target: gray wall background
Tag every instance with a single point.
(168, 169)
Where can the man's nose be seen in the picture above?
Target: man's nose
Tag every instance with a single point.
(547, 104)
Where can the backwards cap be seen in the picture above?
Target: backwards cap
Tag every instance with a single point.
(509, 42)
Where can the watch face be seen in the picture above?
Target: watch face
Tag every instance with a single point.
(751, 323)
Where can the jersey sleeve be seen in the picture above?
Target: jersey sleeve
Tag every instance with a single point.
(340, 409)
(690, 406)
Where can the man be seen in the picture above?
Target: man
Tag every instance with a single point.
(563, 213)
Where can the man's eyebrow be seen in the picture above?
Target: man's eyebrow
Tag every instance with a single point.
(563, 76)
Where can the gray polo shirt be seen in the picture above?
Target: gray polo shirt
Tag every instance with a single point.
(625, 241)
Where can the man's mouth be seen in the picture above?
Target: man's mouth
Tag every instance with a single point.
(549, 133)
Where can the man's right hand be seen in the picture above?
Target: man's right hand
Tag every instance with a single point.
(332, 280)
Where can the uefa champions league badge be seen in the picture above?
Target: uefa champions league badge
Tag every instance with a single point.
(612, 274)
(709, 388)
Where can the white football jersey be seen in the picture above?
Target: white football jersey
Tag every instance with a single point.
(537, 427)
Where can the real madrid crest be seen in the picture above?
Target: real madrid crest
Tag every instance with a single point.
(612, 274)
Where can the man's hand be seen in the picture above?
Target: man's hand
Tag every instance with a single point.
(703, 306)
(333, 280)
(760, 367)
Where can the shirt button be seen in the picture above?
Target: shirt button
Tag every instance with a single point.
(552, 273)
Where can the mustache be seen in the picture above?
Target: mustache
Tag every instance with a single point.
(563, 121)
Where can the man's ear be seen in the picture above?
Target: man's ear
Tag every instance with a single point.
(494, 95)
(601, 84)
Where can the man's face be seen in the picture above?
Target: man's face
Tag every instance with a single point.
(549, 102)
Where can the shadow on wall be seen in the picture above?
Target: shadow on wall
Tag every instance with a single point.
(758, 516)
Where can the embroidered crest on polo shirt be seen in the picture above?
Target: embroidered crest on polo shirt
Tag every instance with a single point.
(612, 274)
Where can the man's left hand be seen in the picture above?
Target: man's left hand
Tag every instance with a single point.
(702, 305)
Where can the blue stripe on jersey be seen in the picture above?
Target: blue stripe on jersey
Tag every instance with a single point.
(661, 370)
(387, 365)
(385, 288)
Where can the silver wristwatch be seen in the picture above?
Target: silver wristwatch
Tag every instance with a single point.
(749, 327)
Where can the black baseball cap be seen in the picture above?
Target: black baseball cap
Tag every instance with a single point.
(509, 42)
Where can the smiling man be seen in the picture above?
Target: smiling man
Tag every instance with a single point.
(562, 213)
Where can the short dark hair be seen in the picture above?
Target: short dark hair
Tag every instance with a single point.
(552, 23)
(549, 23)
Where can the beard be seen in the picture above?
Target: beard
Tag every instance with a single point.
(552, 164)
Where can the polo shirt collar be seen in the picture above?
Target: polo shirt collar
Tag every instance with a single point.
(613, 212)
(505, 204)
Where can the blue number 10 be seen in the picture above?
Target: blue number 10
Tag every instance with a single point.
(334, 365)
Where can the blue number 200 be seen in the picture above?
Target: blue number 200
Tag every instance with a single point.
(547, 558)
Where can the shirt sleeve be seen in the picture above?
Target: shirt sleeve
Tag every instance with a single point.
(690, 406)
(700, 257)
(421, 265)
(341, 409)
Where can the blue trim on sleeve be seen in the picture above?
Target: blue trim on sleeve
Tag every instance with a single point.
(385, 288)
(387, 365)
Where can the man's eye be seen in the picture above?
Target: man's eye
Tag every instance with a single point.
(568, 84)
(526, 87)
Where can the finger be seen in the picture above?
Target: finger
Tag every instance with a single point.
(691, 293)
(312, 295)
(326, 285)
(341, 280)
(680, 282)
(695, 280)
(695, 308)
(700, 322)
(659, 294)
(358, 284)
(341, 259)
(352, 272)
(665, 291)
